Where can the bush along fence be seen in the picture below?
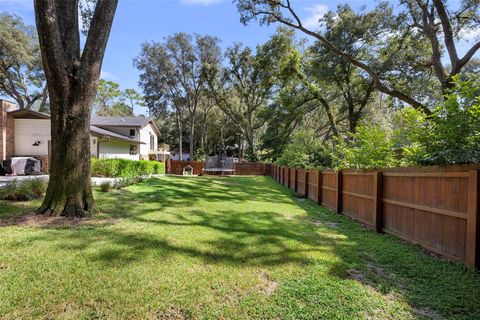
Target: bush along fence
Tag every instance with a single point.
(434, 207)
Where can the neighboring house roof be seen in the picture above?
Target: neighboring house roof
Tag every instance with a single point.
(124, 122)
(119, 121)
(99, 132)
(96, 121)
(28, 114)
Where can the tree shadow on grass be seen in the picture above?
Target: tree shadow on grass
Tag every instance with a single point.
(227, 239)
(178, 191)
(432, 286)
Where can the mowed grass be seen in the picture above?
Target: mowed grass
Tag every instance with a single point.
(213, 248)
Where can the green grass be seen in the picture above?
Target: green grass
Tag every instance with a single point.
(235, 248)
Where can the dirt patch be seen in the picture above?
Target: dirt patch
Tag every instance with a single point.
(333, 225)
(319, 223)
(35, 220)
(173, 313)
(266, 285)
(316, 223)
(357, 275)
(426, 312)
(378, 271)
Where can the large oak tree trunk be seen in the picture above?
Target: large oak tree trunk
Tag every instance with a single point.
(69, 190)
(72, 78)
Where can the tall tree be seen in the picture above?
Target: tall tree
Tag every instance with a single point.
(436, 22)
(243, 87)
(181, 61)
(21, 73)
(72, 76)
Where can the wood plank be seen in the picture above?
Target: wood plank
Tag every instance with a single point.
(427, 174)
(357, 195)
(473, 221)
(456, 214)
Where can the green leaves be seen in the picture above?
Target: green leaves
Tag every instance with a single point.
(451, 135)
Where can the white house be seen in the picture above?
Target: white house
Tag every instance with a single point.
(27, 133)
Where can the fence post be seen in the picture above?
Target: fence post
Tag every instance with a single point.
(473, 220)
(319, 187)
(295, 187)
(377, 200)
(305, 178)
(287, 177)
(339, 191)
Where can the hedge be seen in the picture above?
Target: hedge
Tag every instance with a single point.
(114, 168)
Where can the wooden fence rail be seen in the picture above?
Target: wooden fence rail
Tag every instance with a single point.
(437, 208)
(249, 168)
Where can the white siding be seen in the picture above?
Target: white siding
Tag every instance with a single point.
(116, 150)
(27, 132)
(145, 134)
(93, 146)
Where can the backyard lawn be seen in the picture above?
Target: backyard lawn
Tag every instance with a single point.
(234, 248)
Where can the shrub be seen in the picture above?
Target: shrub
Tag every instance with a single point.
(369, 147)
(116, 168)
(23, 190)
(105, 186)
(306, 151)
(450, 135)
(126, 181)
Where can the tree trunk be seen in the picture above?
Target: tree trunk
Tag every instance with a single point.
(72, 78)
(69, 190)
(192, 135)
(180, 136)
(250, 145)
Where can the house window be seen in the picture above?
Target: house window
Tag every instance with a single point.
(152, 142)
(132, 132)
(133, 149)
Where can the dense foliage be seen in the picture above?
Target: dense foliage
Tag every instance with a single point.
(115, 168)
(449, 135)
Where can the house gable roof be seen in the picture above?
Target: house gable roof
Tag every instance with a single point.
(136, 122)
(99, 132)
(28, 114)
(119, 121)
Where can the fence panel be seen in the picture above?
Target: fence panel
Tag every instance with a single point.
(427, 208)
(301, 182)
(329, 189)
(176, 166)
(358, 196)
(286, 176)
(314, 189)
(250, 169)
(293, 179)
(436, 207)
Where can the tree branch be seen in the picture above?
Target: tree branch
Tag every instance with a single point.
(97, 38)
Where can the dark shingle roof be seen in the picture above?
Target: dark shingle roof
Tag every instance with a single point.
(119, 121)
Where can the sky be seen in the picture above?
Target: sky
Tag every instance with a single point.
(138, 21)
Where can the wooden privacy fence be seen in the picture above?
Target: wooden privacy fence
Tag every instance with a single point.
(248, 168)
(437, 208)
